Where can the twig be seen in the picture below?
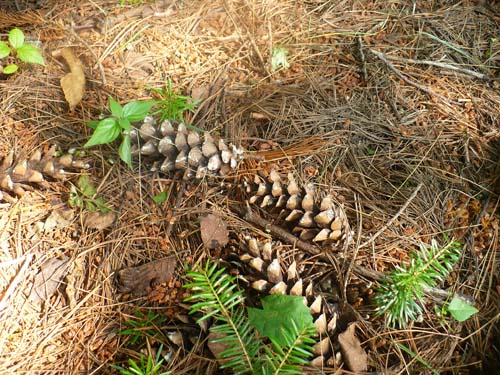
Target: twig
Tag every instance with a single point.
(381, 230)
(98, 62)
(428, 91)
(278, 232)
(177, 203)
(438, 64)
(362, 58)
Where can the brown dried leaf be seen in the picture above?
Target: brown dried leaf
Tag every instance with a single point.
(139, 280)
(48, 279)
(354, 356)
(73, 83)
(214, 231)
(98, 220)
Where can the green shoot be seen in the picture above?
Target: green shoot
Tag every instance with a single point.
(149, 366)
(24, 51)
(142, 326)
(418, 358)
(401, 293)
(171, 105)
(84, 196)
(278, 59)
(119, 124)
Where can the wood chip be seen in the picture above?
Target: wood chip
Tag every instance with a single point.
(139, 280)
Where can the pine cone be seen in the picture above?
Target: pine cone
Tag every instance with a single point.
(177, 148)
(17, 174)
(321, 221)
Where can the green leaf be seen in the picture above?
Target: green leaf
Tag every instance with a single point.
(16, 38)
(4, 50)
(86, 187)
(106, 132)
(30, 54)
(125, 152)
(92, 124)
(124, 124)
(160, 198)
(278, 59)
(461, 310)
(115, 107)
(137, 110)
(279, 311)
(9, 69)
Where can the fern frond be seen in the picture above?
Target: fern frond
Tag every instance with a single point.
(297, 351)
(401, 293)
(216, 294)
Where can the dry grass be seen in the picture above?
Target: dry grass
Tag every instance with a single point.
(359, 129)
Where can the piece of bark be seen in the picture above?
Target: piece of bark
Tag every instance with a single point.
(139, 280)
(353, 354)
(48, 279)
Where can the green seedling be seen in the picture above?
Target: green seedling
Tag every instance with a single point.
(23, 51)
(119, 125)
(171, 105)
(145, 366)
(84, 196)
(278, 59)
(142, 326)
(400, 295)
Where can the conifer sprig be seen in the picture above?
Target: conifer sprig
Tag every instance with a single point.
(248, 352)
(401, 293)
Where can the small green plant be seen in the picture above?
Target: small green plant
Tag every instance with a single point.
(275, 340)
(145, 366)
(458, 308)
(119, 124)
(142, 326)
(400, 295)
(278, 58)
(24, 51)
(84, 196)
(171, 105)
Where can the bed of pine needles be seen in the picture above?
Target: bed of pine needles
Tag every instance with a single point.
(370, 103)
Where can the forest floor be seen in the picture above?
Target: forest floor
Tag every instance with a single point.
(395, 103)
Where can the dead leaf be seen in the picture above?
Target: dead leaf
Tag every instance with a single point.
(98, 220)
(354, 355)
(58, 218)
(216, 346)
(138, 280)
(214, 232)
(73, 83)
(48, 279)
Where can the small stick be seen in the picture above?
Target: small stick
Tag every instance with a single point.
(178, 200)
(381, 230)
(438, 64)
(278, 232)
(382, 57)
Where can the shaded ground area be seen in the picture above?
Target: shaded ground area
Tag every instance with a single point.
(394, 106)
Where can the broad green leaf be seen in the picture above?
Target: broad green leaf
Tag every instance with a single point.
(106, 132)
(461, 310)
(124, 151)
(92, 124)
(115, 108)
(278, 59)
(16, 38)
(100, 203)
(137, 110)
(160, 198)
(30, 54)
(124, 123)
(277, 313)
(86, 187)
(4, 50)
(9, 69)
